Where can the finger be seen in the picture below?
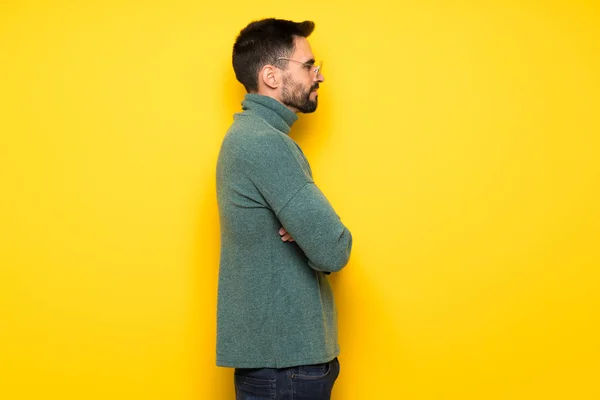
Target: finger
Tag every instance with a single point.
(286, 237)
(292, 239)
(281, 231)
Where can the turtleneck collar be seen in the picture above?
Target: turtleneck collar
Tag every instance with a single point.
(272, 111)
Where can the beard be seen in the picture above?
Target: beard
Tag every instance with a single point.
(294, 95)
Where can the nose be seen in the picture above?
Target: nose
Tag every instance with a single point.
(320, 77)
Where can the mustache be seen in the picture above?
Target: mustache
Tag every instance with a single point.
(315, 86)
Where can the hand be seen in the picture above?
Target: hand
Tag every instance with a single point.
(286, 237)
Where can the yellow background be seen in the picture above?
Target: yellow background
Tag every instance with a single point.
(459, 141)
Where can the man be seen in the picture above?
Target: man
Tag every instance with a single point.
(280, 237)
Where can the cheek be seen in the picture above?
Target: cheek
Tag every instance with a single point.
(308, 86)
(302, 87)
(304, 82)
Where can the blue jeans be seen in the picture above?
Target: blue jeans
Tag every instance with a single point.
(305, 382)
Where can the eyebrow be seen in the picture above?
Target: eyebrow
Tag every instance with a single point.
(311, 61)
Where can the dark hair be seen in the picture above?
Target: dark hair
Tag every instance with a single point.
(261, 43)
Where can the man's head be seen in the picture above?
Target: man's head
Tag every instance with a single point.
(272, 57)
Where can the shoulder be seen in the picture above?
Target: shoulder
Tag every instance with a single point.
(251, 137)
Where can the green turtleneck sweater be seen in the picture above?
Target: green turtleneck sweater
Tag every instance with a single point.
(275, 303)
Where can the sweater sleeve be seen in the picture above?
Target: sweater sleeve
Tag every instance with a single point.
(317, 229)
(301, 207)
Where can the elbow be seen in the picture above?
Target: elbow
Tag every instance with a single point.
(335, 257)
(339, 262)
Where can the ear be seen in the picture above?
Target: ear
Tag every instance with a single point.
(270, 76)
